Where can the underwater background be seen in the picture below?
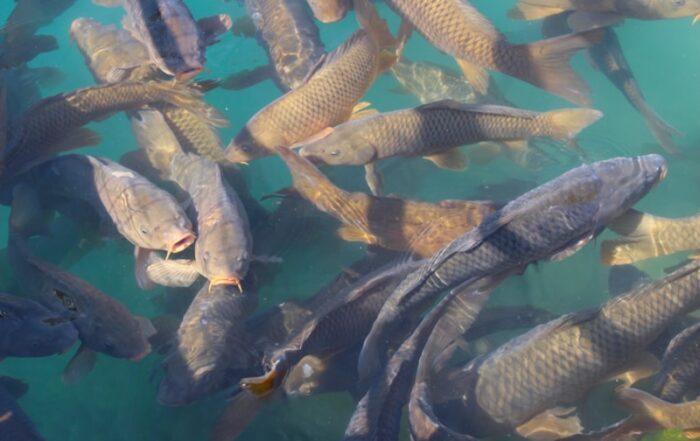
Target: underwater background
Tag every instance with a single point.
(117, 400)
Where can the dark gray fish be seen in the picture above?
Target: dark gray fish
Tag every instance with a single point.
(104, 325)
(15, 425)
(607, 57)
(25, 50)
(287, 31)
(338, 324)
(212, 347)
(224, 243)
(556, 363)
(28, 329)
(551, 222)
(680, 370)
(504, 318)
(175, 41)
(28, 16)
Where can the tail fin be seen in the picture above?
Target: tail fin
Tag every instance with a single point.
(187, 97)
(241, 411)
(549, 66)
(645, 407)
(663, 132)
(638, 243)
(526, 11)
(566, 124)
(379, 32)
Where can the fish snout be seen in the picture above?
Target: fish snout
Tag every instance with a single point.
(185, 242)
(229, 280)
(655, 166)
(141, 355)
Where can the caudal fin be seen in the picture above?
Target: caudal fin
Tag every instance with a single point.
(638, 241)
(566, 124)
(663, 132)
(548, 65)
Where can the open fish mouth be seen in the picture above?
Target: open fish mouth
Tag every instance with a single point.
(226, 281)
(182, 244)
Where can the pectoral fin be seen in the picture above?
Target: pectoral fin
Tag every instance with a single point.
(80, 365)
(450, 160)
(477, 76)
(362, 110)
(552, 424)
(374, 179)
(570, 250)
(173, 273)
(643, 366)
(211, 28)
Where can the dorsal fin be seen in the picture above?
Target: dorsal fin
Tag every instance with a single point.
(490, 109)
(331, 57)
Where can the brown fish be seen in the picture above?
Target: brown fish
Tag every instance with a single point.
(434, 130)
(114, 55)
(55, 123)
(645, 236)
(459, 29)
(329, 11)
(589, 14)
(326, 99)
(396, 224)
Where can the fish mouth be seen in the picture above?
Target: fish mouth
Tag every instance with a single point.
(216, 281)
(311, 157)
(188, 74)
(141, 355)
(182, 244)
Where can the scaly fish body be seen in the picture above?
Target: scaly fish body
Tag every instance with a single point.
(639, 9)
(211, 347)
(514, 383)
(28, 329)
(329, 11)
(55, 123)
(554, 219)
(679, 372)
(459, 29)
(418, 227)
(290, 37)
(644, 236)
(104, 324)
(435, 128)
(224, 243)
(325, 100)
(170, 34)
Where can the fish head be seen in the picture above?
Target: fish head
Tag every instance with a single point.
(28, 329)
(219, 260)
(119, 334)
(673, 8)
(84, 31)
(162, 226)
(244, 148)
(328, 11)
(340, 148)
(625, 181)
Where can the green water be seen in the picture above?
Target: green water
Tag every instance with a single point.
(117, 400)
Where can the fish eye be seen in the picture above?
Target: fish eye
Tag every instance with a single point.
(206, 255)
(66, 300)
(677, 3)
(334, 152)
(144, 230)
(245, 148)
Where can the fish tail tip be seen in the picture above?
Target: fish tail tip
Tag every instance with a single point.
(568, 123)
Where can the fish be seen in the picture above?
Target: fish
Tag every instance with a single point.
(460, 30)
(589, 348)
(211, 349)
(623, 278)
(329, 11)
(338, 324)
(608, 57)
(644, 236)
(598, 13)
(650, 414)
(175, 41)
(679, 374)
(405, 225)
(55, 124)
(28, 329)
(549, 222)
(25, 50)
(104, 325)
(327, 97)
(287, 31)
(224, 243)
(28, 16)
(433, 131)
(156, 139)
(14, 423)
(494, 319)
(114, 55)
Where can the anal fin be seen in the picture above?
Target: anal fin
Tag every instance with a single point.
(450, 160)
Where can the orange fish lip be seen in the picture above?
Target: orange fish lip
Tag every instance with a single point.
(230, 280)
(141, 355)
(188, 74)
